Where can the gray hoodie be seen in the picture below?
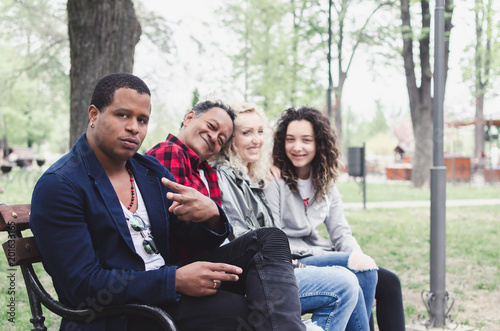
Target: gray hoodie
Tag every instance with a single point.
(301, 225)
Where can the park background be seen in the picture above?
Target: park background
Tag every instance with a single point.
(192, 49)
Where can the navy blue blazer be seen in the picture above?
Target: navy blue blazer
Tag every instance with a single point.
(83, 236)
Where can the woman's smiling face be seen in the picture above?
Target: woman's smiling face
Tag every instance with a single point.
(300, 146)
(249, 136)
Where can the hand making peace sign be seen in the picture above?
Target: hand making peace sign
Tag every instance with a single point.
(190, 205)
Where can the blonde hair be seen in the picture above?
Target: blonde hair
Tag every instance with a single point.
(257, 171)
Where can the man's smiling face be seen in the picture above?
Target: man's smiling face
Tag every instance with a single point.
(206, 134)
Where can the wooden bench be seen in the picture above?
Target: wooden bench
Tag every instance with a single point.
(23, 252)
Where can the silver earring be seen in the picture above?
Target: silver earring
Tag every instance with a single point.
(92, 125)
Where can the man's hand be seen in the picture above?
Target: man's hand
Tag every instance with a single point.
(204, 278)
(190, 205)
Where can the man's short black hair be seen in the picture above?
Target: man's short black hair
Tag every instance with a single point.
(105, 88)
(202, 107)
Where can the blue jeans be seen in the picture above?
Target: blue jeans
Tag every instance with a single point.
(329, 293)
(367, 279)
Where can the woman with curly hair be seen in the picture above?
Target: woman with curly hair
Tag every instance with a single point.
(330, 294)
(306, 152)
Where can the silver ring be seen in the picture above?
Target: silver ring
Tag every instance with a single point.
(215, 283)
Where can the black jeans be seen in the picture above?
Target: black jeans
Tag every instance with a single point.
(389, 309)
(265, 297)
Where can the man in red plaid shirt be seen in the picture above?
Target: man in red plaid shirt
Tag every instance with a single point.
(205, 129)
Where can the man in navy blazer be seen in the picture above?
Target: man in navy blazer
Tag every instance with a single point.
(102, 216)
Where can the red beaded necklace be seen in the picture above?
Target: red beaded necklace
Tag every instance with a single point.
(131, 188)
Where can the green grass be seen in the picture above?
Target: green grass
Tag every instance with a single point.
(18, 185)
(403, 191)
(22, 307)
(397, 239)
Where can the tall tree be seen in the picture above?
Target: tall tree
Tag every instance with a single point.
(420, 94)
(481, 68)
(282, 58)
(102, 35)
(260, 60)
(345, 55)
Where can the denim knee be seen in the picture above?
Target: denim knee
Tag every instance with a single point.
(338, 283)
(360, 261)
(364, 267)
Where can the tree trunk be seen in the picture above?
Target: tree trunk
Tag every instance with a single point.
(482, 62)
(337, 111)
(420, 96)
(423, 128)
(479, 127)
(342, 75)
(102, 35)
(337, 108)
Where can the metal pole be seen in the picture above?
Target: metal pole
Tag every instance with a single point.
(330, 82)
(438, 297)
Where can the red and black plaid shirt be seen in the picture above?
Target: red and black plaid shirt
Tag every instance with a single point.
(184, 164)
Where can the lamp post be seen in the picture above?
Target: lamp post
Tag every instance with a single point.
(438, 296)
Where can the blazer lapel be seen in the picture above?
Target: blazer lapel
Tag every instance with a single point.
(108, 194)
(152, 194)
(113, 206)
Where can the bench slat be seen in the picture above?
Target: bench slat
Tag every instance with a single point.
(21, 251)
(18, 215)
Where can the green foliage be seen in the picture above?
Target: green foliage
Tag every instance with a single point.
(267, 58)
(480, 61)
(156, 29)
(34, 66)
(196, 97)
(283, 60)
(375, 132)
(381, 143)
(282, 52)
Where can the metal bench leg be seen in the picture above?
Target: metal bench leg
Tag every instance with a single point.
(37, 318)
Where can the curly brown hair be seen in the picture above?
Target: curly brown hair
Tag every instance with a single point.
(325, 164)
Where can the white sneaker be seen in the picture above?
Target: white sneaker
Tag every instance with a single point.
(311, 326)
